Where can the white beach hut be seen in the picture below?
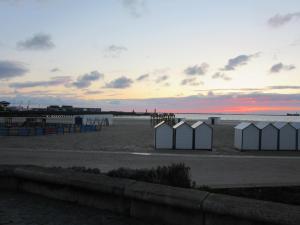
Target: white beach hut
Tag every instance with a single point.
(297, 126)
(163, 137)
(183, 136)
(246, 136)
(203, 135)
(268, 136)
(287, 136)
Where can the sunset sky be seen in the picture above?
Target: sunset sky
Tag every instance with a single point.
(173, 55)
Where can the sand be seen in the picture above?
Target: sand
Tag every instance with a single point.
(123, 135)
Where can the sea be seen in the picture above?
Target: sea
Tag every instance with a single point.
(241, 117)
(227, 117)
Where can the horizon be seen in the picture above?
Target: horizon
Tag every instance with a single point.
(174, 56)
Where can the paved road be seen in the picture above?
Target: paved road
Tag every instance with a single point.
(207, 169)
(29, 209)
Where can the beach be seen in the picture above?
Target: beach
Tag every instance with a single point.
(124, 135)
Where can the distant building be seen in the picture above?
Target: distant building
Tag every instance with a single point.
(4, 105)
(91, 110)
(67, 108)
(15, 108)
(53, 108)
(38, 109)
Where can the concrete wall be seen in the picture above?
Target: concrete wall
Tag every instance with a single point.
(150, 202)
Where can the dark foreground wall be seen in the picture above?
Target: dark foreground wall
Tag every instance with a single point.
(150, 202)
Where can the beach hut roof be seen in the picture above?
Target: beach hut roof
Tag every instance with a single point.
(161, 123)
(243, 125)
(180, 124)
(296, 125)
(262, 125)
(280, 125)
(199, 123)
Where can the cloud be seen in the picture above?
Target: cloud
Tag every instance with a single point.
(114, 102)
(276, 68)
(42, 93)
(86, 80)
(119, 83)
(219, 75)
(242, 90)
(280, 20)
(115, 51)
(239, 61)
(191, 81)
(232, 89)
(295, 43)
(54, 70)
(88, 92)
(160, 71)
(284, 87)
(15, 2)
(197, 70)
(55, 81)
(136, 8)
(11, 69)
(161, 78)
(37, 42)
(142, 77)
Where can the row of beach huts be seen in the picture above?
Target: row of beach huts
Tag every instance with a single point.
(183, 136)
(247, 136)
(267, 136)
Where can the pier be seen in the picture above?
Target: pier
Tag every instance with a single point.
(169, 118)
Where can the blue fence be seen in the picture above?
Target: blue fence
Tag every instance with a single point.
(3, 131)
(39, 131)
(24, 131)
(60, 130)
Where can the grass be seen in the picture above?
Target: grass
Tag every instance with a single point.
(176, 175)
(83, 169)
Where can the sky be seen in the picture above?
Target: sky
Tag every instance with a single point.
(205, 56)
